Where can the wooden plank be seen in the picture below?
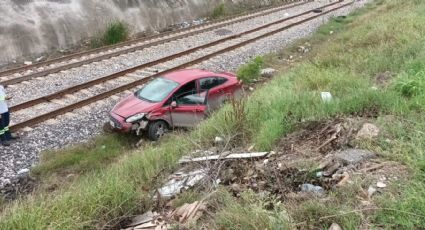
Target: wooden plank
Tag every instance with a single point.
(228, 157)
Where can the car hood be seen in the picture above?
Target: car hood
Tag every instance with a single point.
(132, 105)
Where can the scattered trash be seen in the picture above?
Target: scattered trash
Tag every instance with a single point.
(344, 179)
(148, 221)
(331, 169)
(335, 226)
(179, 181)
(381, 184)
(189, 212)
(154, 221)
(142, 219)
(268, 72)
(331, 32)
(312, 189)
(27, 63)
(39, 59)
(319, 174)
(23, 172)
(326, 97)
(303, 49)
(368, 131)
(251, 89)
(187, 159)
(219, 140)
(370, 191)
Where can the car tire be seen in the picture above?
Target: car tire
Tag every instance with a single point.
(156, 130)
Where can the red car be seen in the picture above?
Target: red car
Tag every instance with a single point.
(178, 99)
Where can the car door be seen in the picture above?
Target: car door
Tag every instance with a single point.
(188, 106)
(216, 93)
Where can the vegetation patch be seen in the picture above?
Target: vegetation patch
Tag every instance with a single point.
(251, 71)
(114, 33)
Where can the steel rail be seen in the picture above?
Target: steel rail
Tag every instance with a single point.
(79, 104)
(88, 84)
(132, 49)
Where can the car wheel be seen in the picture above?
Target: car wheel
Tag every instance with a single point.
(156, 130)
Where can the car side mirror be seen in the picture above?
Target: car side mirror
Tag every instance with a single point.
(173, 104)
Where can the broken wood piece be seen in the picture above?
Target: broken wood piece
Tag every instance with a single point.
(325, 163)
(332, 169)
(230, 156)
(344, 180)
(188, 212)
(334, 136)
(141, 219)
(373, 168)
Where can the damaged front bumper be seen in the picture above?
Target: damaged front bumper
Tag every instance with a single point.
(118, 123)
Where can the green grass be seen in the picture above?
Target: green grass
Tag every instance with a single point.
(251, 71)
(97, 198)
(114, 33)
(249, 212)
(83, 158)
(345, 63)
(219, 11)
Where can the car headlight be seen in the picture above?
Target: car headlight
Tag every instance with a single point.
(135, 117)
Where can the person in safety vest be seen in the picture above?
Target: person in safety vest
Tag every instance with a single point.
(5, 134)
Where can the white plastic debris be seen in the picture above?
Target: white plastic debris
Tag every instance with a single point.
(218, 140)
(179, 181)
(381, 184)
(312, 189)
(326, 97)
(23, 171)
(370, 191)
(188, 159)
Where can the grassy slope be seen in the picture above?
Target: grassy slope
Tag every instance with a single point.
(389, 38)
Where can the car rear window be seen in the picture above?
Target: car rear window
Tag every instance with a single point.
(156, 90)
(211, 82)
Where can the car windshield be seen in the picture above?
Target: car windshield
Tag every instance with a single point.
(157, 90)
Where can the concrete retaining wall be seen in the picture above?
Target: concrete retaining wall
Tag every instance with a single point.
(29, 28)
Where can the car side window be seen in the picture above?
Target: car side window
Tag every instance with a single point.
(192, 99)
(187, 95)
(211, 82)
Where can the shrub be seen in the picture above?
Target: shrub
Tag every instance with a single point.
(251, 71)
(219, 11)
(115, 32)
(410, 86)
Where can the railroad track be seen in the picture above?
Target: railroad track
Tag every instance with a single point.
(87, 93)
(25, 73)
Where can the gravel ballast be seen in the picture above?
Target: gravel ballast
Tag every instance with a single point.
(84, 124)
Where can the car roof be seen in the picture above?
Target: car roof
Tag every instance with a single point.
(187, 75)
